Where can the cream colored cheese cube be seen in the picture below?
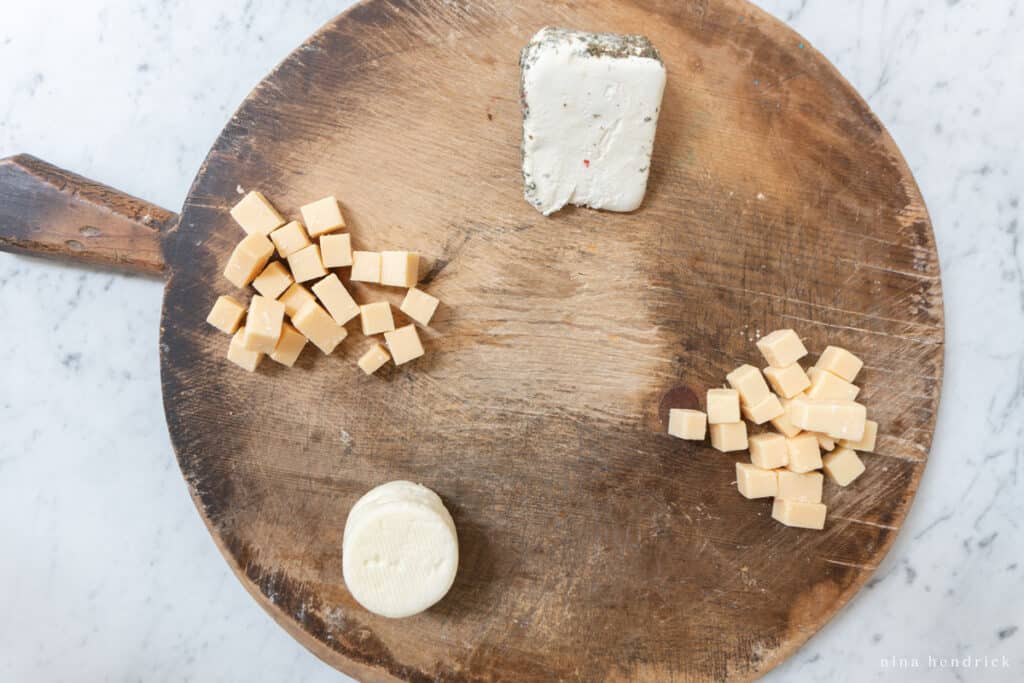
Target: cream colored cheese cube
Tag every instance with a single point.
(803, 486)
(376, 318)
(728, 437)
(248, 259)
(404, 344)
(319, 327)
(289, 346)
(306, 264)
(768, 409)
(866, 444)
(826, 442)
(842, 466)
(399, 268)
(797, 514)
(840, 362)
(366, 266)
(827, 387)
(781, 348)
(336, 250)
(783, 423)
(240, 356)
(768, 451)
(290, 238)
(336, 299)
(788, 381)
(256, 214)
(263, 324)
(226, 314)
(322, 216)
(374, 358)
(295, 297)
(419, 306)
(754, 482)
(804, 453)
(723, 406)
(838, 419)
(687, 424)
(747, 380)
(273, 281)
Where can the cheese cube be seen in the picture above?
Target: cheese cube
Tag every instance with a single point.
(240, 356)
(290, 238)
(768, 451)
(687, 424)
(319, 327)
(294, 298)
(248, 259)
(804, 453)
(226, 314)
(256, 215)
(336, 250)
(399, 268)
(767, 409)
(783, 423)
(843, 466)
(805, 487)
(788, 381)
(838, 419)
(753, 482)
(322, 216)
(336, 299)
(365, 266)
(376, 318)
(289, 346)
(781, 348)
(263, 324)
(827, 387)
(723, 406)
(375, 357)
(826, 442)
(306, 264)
(404, 344)
(866, 444)
(273, 281)
(419, 306)
(727, 437)
(839, 362)
(797, 514)
(747, 380)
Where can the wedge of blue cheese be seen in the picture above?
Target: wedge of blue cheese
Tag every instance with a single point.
(590, 111)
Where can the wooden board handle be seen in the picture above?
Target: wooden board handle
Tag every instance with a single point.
(49, 212)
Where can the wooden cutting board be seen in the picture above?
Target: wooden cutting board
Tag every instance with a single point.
(593, 546)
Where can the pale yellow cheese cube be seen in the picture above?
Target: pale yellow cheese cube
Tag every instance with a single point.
(376, 318)
(241, 356)
(306, 264)
(797, 514)
(374, 358)
(804, 453)
(783, 423)
(289, 346)
(419, 306)
(273, 281)
(366, 266)
(263, 324)
(803, 486)
(248, 259)
(842, 466)
(828, 387)
(322, 216)
(294, 298)
(399, 268)
(336, 250)
(336, 299)
(687, 424)
(723, 406)
(226, 314)
(781, 348)
(768, 451)
(838, 419)
(289, 238)
(767, 409)
(788, 381)
(256, 214)
(840, 362)
(866, 444)
(754, 482)
(826, 442)
(319, 327)
(747, 380)
(728, 437)
(404, 344)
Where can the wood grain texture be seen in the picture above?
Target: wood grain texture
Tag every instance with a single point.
(593, 546)
(49, 212)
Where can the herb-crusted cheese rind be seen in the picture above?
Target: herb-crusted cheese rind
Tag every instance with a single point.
(590, 111)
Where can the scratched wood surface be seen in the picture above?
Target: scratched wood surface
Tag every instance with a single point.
(593, 546)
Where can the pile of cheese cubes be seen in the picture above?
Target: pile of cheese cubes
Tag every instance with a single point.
(811, 411)
(308, 250)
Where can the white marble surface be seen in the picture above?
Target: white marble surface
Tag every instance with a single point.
(109, 574)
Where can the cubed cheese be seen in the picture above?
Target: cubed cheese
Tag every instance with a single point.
(788, 381)
(306, 264)
(783, 423)
(729, 437)
(866, 444)
(797, 514)
(294, 298)
(322, 216)
(419, 306)
(248, 259)
(781, 348)
(273, 281)
(319, 327)
(804, 453)
(768, 409)
(840, 362)
(289, 238)
(687, 424)
(241, 356)
(226, 314)
(803, 486)
(256, 214)
(838, 419)
(826, 442)
(336, 250)
(374, 358)
(399, 268)
(842, 466)
(376, 318)
(365, 266)
(289, 346)
(263, 324)
(828, 387)
(404, 344)
(723, 406)
(768, 451)
(747, 380)
(336, 299)
(754, 482)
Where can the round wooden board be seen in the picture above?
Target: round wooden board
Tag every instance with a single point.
(593, 546)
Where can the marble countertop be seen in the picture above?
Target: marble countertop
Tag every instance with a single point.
(108, 572)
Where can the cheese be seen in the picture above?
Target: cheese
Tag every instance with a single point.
(687, 424)
(825, 386)
(768, 409)
(374, 359)
(376, 318)
(294, 298)
(289, 346)
(729, 437)
(419, 306)
(838, 419)
(336, 299)
(748, 381)
(322, 216)
(399, 268)
(866, 443)
(805, 487)
(753, 482)
(404, 344)
(843, 466)
(768, 451)
(263, 324)
(290, 238)
(723, 406)
(783, 423)
(590, 110)
(839, 362)
(788, 381)
(241, 356)
(248, 259)
(365, 266)
(799, 514)
(226, 314)
(781, 348)
(274, 280)
(336, 250)
(256, 214)
(319, 327)
(306, 264)
(804, 453)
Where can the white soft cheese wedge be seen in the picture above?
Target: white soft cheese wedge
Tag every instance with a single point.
(400, 552)
(590, 111)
